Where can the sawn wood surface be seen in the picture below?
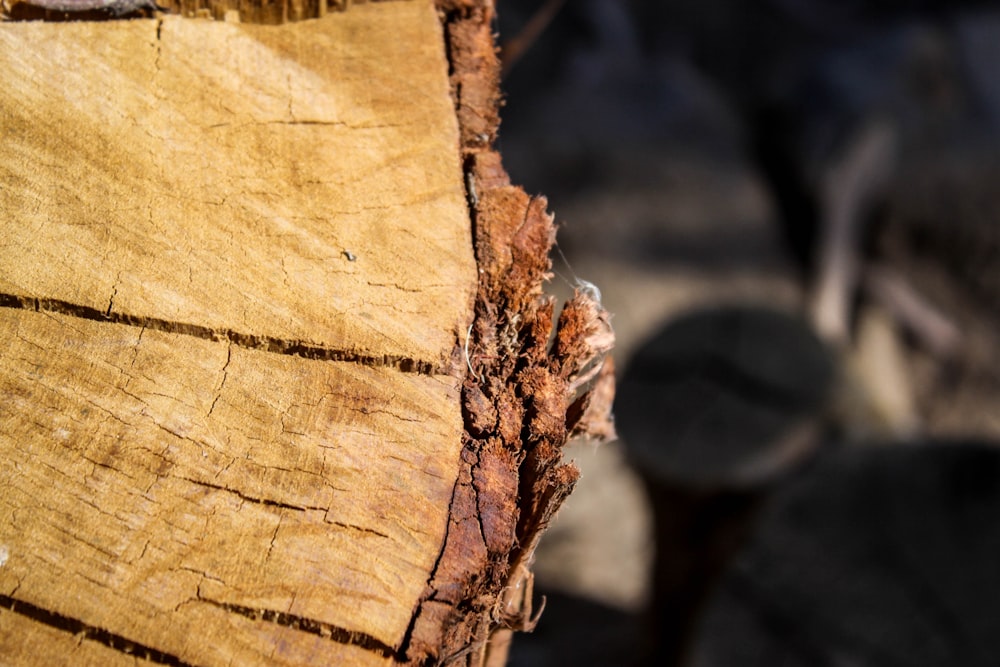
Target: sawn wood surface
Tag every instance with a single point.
(236, 273)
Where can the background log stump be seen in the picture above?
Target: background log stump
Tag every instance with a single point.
(717, 408)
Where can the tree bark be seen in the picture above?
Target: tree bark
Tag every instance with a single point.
(276, 384)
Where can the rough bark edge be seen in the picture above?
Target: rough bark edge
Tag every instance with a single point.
(526, 391)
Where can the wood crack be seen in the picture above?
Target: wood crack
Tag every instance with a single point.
(269, 502)
(249, 341)
(429, 590)
(312, 626)
(253, 499)
(255, 11)
(92, 633)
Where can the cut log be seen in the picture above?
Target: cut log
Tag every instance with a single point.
(717, 408)
(241, 300)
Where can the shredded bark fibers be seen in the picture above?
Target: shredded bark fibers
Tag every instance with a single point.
(523, 396)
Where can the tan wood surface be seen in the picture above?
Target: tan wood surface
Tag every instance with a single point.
(191, 171)
(236, 271)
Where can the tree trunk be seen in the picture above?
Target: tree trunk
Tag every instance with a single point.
(271, 390)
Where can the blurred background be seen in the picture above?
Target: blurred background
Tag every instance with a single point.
(791, 209)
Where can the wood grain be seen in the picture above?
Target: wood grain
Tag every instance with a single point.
(222, 176)
(236, 272)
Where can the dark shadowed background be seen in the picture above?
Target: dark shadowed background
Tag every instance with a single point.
(696, 156)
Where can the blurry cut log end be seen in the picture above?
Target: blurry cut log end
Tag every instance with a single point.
(720, 398)
(715, 409)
